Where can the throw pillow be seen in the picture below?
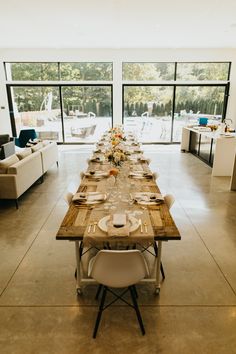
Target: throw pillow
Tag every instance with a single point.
(4, 164)
(26, 152)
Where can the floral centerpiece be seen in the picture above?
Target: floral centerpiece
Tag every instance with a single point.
(115, 155)
(117, 135)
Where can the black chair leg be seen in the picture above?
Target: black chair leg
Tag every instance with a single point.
(135, 291)
(162, 271)
(133, 296)
(100, 311)
(156, 253)
(98, 291)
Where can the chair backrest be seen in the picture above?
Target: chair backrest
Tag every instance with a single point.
(155, 176)
(25, 136)
(118, 268)
(82, 174)
(169, 200)
(68, 197)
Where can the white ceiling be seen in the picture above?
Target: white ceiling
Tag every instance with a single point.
(117, 24)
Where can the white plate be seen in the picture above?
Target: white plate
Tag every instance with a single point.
(134, 224)
(91, 201)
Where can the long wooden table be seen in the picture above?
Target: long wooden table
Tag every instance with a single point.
(77, 219)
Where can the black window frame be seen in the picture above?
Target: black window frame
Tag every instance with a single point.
(60, 86)
(174, 85)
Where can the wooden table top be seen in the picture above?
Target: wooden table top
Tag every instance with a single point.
(78, 217)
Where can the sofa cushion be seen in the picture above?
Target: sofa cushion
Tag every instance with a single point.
(22, 154)
(37, 147)
(46, 142)
(4, 164)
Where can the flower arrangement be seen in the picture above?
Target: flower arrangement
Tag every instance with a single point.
(115, 155)
(113, 172)
(116, 135)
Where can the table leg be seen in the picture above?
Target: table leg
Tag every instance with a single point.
(78, 270)
(158, 269)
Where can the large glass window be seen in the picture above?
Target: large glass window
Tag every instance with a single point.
(148, 111)
(37, 107)
(148, 71)
(202, 71)
(32, 71)
(158, 112)
(158, 97)
(87, 112)
(86, 71)
(193, 102)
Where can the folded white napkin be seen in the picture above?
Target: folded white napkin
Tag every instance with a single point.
(88, 197)
(148, 197)
(141, 174)
(119, 220)
(118, 226)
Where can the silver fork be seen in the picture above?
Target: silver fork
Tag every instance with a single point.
(89, 228)
(145, 226)
(94, 226)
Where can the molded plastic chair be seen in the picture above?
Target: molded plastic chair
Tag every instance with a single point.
(82, 174)
(118, 269)
(155, 175)
(169, 200)
(24, 136)
(68, 197)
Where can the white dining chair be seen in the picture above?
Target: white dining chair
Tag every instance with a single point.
(82, 174)
(68, 197)
(169, 200)
(155, 176)
(118, 269)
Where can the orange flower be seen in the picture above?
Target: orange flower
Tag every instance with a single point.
(114, 172)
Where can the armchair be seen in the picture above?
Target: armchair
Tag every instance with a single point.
(24, 136)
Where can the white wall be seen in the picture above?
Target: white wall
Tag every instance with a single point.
(116, 56)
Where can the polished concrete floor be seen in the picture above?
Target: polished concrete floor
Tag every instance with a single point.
(196, 309)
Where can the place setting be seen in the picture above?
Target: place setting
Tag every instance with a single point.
(96, 174)
(88, 198)
(99, 159)
(118, 224)
(141, 175)
(147, 198)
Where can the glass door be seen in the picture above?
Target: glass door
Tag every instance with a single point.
(147, 111)
(87, 112)
(37, 107)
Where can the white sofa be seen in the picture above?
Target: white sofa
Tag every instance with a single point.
(18, 172)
